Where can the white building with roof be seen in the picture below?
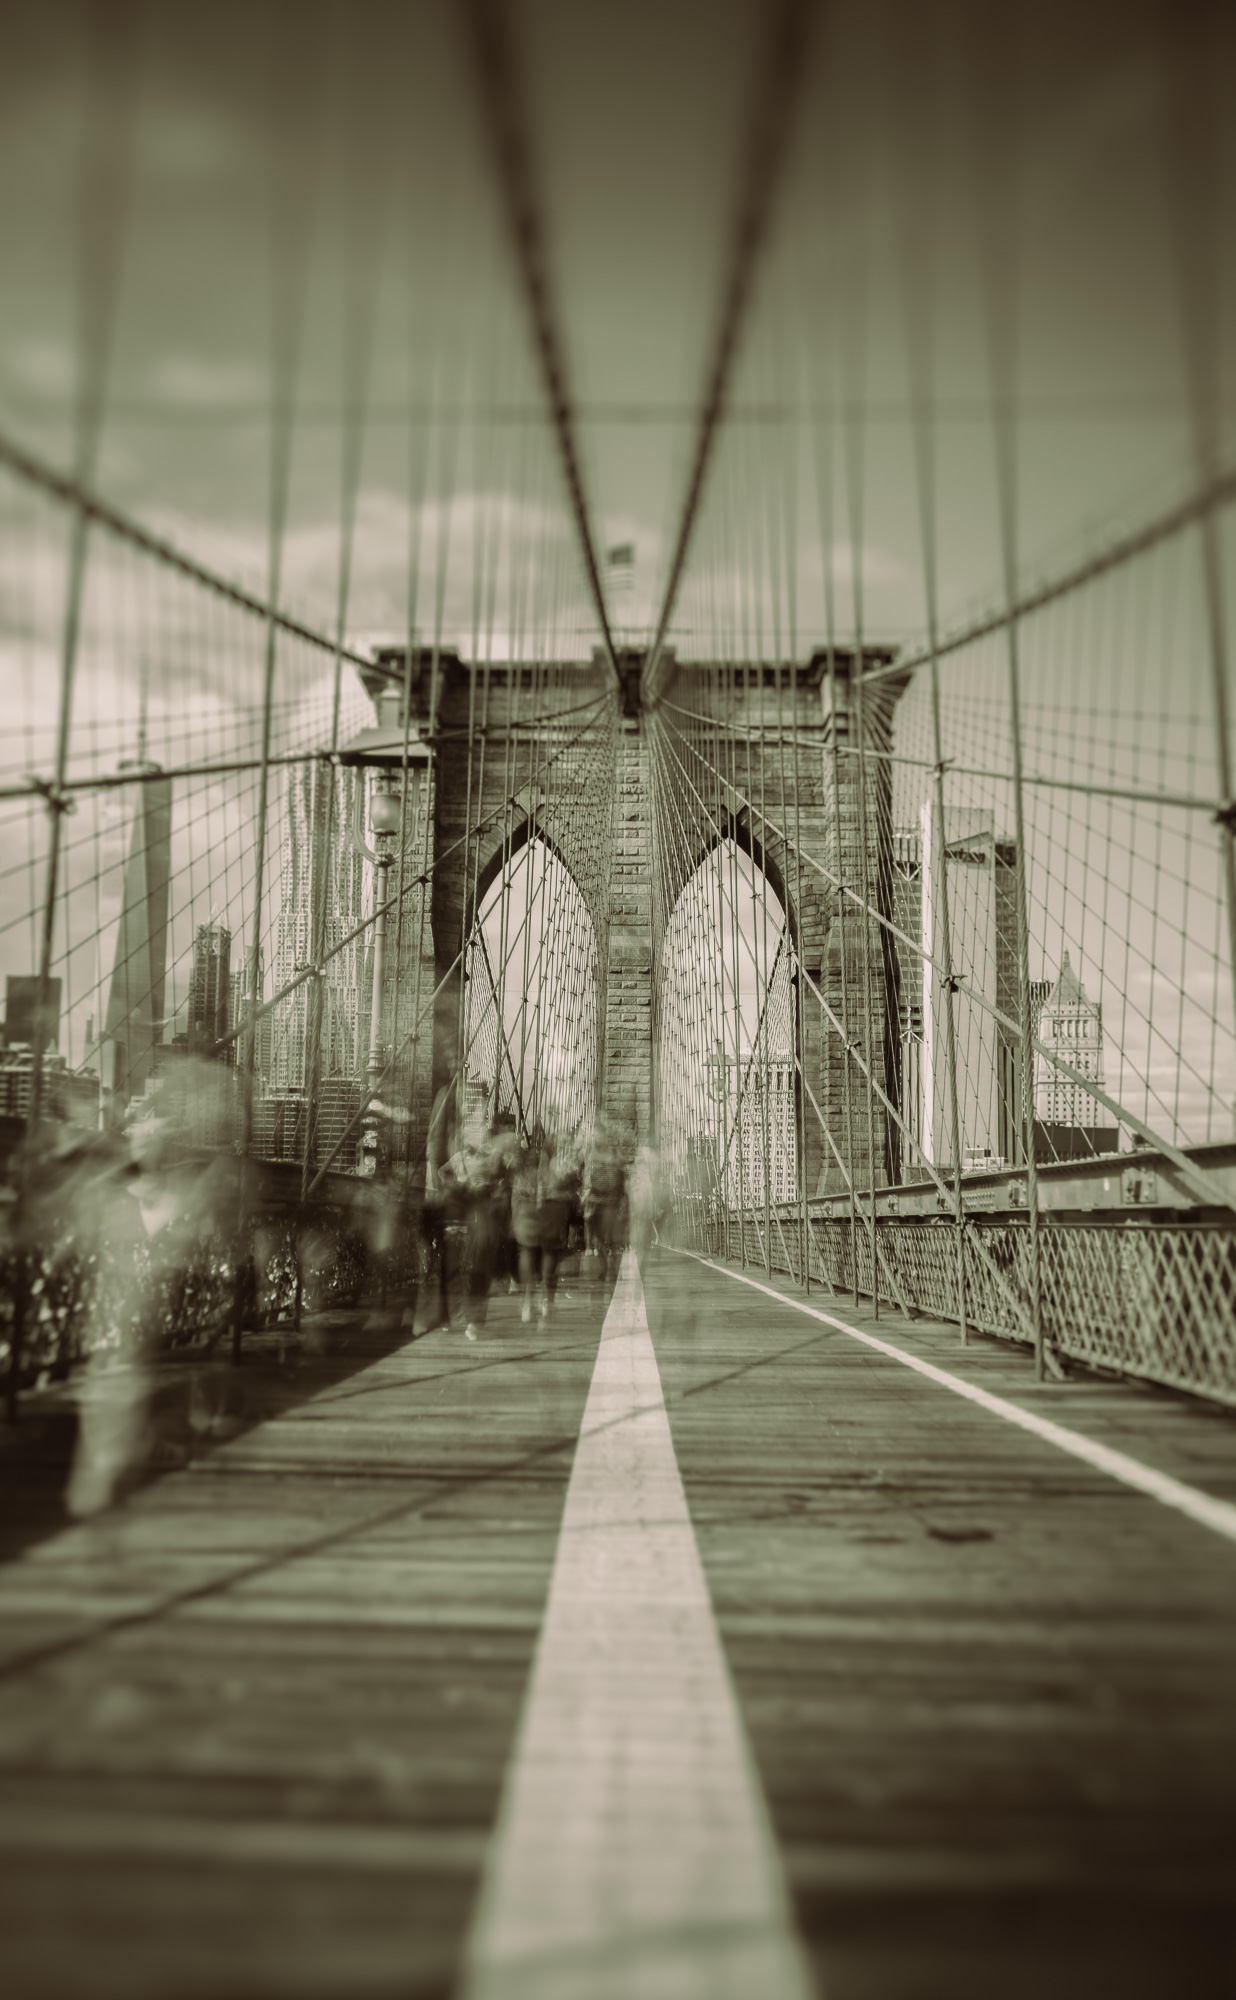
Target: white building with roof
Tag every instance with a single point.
(1072, 1025)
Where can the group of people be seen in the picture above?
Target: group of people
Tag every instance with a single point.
(525, 1203)
(124, 1243)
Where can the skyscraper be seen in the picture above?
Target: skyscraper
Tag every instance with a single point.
(1067, 1115)
(210, 991)
(26, 1020)
(970, 868)
(133, 1023)
(760, 1127)
(341, 871)
(240, 985)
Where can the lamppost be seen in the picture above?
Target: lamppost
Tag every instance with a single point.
(385, 815)
(385, 751)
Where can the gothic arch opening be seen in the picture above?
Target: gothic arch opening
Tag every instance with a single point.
(725, 1039)
(529, 1012)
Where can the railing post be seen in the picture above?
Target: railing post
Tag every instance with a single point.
(242, 1296)
(315, 1000)
(868, 1005)
(102, 194)
(57, 806)
(1025, 1006)
(1226, 817)
(800, 1128)
(845, 971)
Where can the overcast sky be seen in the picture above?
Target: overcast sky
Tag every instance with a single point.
(321, 174)
(366, 126)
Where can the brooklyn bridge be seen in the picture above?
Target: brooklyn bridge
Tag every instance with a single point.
(618, 1077)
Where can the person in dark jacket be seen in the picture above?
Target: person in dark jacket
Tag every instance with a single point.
(440, 1144)
(478, 1172)
(557, 1200)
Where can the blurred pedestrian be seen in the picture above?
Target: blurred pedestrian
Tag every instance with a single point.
(525, 1222)
(558, 1197)
(603, 1199)
(434, 1308)
(478, 1172)
(644, 1200)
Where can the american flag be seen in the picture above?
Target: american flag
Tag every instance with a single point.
(620, 562)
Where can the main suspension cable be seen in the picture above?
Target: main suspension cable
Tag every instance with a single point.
(497, 76)
(779, 80)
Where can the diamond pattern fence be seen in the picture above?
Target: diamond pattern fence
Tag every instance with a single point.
(1155, 1300)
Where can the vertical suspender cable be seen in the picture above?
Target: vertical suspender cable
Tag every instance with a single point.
(112, 53)
(995, 169)
(1197, 40)
(915, 250)
(365, 211)
(499, 86)
(779, 80)
(293, 191)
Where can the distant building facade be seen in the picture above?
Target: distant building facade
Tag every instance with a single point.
(66, 1095)
(240, 986)
(210, 989)
(967, 868)
(1067, 1125)
(759, 1117)
(970, 870)
(307, 858)
(29, 1022)
(134, 1021)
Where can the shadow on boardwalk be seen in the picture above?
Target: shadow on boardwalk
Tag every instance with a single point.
(198, 1402)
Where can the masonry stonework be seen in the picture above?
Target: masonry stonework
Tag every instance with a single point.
(781, 790)
(626, 1087)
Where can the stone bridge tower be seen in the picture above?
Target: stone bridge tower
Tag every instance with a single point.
(488, 791)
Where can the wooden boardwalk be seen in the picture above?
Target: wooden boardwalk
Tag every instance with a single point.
(255, 1724)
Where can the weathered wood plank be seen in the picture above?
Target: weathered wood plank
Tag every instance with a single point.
(992, 1693)
(257, 1741)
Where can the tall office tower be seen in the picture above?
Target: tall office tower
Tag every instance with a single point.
(133, 1023)
(853, 838)
(26, 1022)
(969, 868)
(240, 985)
(1067, 1116)
(761, 1126)
(339, 877)
(959, 866)
(749, 1105)
(210, 991)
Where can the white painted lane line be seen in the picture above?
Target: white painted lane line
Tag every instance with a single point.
(1219, 1515)
(633, 1854)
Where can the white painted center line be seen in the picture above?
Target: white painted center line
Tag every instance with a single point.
(633, 1854)
(1219, 1515)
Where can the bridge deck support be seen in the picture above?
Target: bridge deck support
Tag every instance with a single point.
(254, 1726)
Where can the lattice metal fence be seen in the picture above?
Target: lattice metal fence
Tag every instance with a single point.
(1150, 1299)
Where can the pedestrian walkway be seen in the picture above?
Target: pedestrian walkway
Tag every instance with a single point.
(717, 1651)
(633, 1852)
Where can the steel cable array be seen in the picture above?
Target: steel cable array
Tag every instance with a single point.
(241, 950)
(959, 907)
(310, 795)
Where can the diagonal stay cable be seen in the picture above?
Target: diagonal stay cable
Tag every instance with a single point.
(71, 492)
(307, 972)
(1212, 1192)
(1198, 506)
(497, 76)
(780, 76)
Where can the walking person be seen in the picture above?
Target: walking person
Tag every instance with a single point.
(478, 1172)
(645, 1202)
(525, 1222)
(558, 1196)
(603, 1200)
(435, 1308)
